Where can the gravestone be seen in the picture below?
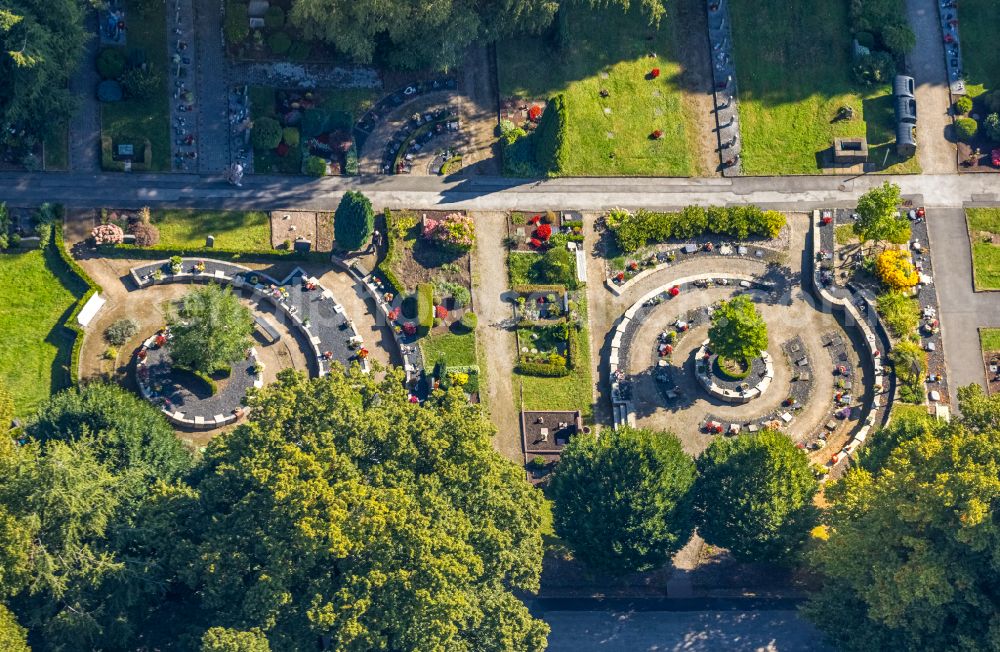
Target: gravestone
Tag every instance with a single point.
(210, 241)
(302, 245)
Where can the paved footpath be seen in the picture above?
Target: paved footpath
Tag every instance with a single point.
(937, 154)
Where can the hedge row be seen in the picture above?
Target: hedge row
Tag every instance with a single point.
(425, 308)
(533, 288)
(634, 230)
(166, 251)
(385, 267)
(541, 369)
(92, 288)
(551, 150)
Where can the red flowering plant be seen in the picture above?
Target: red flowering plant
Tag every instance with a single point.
(409, 328)
(657, 134)
(534, 113)
(654, 73)
(440, 312)
(543, 232)
(536, 243)
(393, 314)
(535, 220)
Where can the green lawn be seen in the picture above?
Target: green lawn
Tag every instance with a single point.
(984, 224)
(615, 44)
(233, 230)
(459, 350)
(980, 54)
(134, 119)
(57, 148)
(793, 65)
(37, 293)
(572, 392)
(989, 338)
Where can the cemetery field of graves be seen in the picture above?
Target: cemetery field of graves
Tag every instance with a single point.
(622, 80)
(793, 65)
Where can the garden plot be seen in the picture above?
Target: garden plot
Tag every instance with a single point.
(984, 235)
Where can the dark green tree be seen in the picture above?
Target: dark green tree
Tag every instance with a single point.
(621, 501)
(738, 332)
(41, 43)
(220, 639)
(266, 133)
(911, 556)
(353, 221)
(754, 496)
(125, 433)
(342, 510)
(557, 266)
(211, 330)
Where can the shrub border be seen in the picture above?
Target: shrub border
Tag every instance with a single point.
(156, 252)
(425, 308)
(92, 288)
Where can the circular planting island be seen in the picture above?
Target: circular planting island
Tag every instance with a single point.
(748, 381)
(190, 399)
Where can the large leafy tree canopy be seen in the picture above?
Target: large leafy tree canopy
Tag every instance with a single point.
(41, 41)
(754, 496)
(419, 34)
(913, 556)
(343, 510)
(738, 331)
(211, 330)
(877, 216)
(621, 500)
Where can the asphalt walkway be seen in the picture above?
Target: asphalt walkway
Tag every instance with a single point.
(937, 154)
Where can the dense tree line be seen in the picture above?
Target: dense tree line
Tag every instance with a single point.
(339, 514)
(417, 34)
(41, 42)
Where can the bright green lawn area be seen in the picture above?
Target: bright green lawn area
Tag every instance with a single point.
(614, 43)
(793, 65)
(57, 148)
(572, 392)
(37, 292)
(980, 54)
(989, 338)
(135, 119)
(459, 350)
(233, 230)
(984, 223)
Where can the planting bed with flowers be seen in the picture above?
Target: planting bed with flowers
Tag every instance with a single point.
(541, 230)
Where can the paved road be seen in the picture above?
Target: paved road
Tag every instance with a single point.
(480, 193)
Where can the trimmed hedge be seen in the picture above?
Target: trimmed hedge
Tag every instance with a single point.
(551, 152)
(166, 251)
(535, 288)
(541, 369)
(632, 231)
(60, 244)
(425, 308)
(384, 267)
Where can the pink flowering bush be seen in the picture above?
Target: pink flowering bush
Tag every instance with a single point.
(455, 231)
(409, 328)
(107, 234)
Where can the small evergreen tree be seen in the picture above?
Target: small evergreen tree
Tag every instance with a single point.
(353, 221)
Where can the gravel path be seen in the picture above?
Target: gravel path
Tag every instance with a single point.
(495, 339)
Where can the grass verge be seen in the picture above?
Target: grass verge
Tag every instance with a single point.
(57, 149)
(989, 339)
(233, 230)
(38, 293)
(458, 349)
(793, 64)
(984, 231)
(980, 55)
(608, 49)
